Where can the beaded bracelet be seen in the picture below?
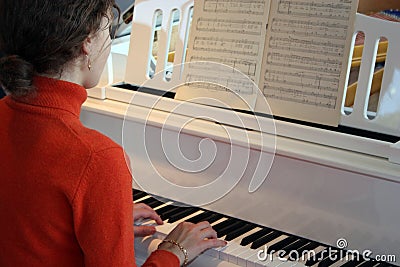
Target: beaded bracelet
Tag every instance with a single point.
(184, 251)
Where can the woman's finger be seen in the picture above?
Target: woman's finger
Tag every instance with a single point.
(208, 233)
(212, 243)
(203, 225)
(140, 214)
(142, 231)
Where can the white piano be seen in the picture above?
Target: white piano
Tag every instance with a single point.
(325, 188)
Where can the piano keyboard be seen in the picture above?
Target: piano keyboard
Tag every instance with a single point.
(245, 240)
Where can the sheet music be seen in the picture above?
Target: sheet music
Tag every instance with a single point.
(306, 57)
(230, 32)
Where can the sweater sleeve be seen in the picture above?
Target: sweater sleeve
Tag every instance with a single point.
(162, 258)
(103, 214)
(102, 208)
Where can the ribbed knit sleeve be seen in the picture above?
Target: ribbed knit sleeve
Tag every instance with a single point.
(103, 211)
(103, 222)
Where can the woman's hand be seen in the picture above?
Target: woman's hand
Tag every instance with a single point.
(195, 238)
(142, 212)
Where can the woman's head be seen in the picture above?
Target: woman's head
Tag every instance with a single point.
(47, 36)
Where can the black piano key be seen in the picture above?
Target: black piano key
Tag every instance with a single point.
(265, 239)
(147, 200)
(151, 202)
(254, 236)
(205, 216)
(166, 211)
(224, 224)
(239, 231)
(165, 208)
(199, 217)
(281, 244)
(226, 230)
(138, 194)
(165, 215)
(213, 218)
(318, 257)
(368, 263)
(310, 246)
(182, 214)
(384, 264)
(294, 247)
(154, 204)
(352, 263)
(331, 259)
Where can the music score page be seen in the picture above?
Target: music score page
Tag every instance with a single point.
(306, 58)
(230, 32)
(295, 51)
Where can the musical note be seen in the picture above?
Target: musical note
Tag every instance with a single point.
(223, 45)
(299, 44)
(255, 7)
(221, 83)
(338, 11)
(229, 26)
(248, 67)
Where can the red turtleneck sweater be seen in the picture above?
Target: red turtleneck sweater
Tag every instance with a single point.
(65, 190)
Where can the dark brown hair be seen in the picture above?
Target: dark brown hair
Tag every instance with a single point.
(41, 36)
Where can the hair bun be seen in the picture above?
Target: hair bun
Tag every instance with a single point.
(16, 75)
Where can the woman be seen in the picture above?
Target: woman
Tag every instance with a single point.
(65, 194)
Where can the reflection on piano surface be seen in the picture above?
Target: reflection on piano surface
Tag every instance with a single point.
(323, 185)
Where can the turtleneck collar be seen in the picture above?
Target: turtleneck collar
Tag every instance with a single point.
(58, 94)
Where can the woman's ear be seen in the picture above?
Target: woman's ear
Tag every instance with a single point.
(87, 45)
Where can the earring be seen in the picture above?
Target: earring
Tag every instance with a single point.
(89, 64)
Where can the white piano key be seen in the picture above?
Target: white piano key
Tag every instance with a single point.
(219, 221)
(204, 260)
(163, 205)
(163, 230)
(269, 261)
(290, 264)
(242, 257)
(141, 199)
(274, 241)
(342, 261)
(303, 260)
(225, 252)
(233, 257)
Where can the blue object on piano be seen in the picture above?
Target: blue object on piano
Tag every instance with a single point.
(393, 13)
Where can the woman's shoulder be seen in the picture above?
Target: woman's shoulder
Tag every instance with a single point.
(95, 141)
